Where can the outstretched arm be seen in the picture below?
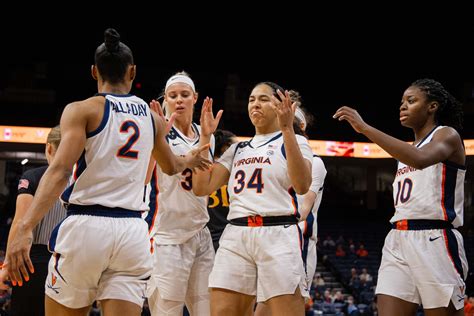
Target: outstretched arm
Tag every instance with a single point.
(73, 138)
(442, 146)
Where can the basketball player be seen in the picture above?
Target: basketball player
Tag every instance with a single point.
(260, 250)
(423, 259)
(101, 250)
(183, 252)
(308, 204)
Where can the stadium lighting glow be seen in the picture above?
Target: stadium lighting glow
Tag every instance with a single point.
(24, 161)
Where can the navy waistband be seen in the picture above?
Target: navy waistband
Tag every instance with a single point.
(99, 210)
(421, 224)
(257, 221)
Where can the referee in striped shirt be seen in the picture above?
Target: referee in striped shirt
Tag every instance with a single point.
(29, 298)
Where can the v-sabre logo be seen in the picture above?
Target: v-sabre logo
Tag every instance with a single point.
(53, 282)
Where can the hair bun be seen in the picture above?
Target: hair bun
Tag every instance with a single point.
(111, 40)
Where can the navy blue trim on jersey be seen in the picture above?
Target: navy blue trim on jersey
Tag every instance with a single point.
(105, 119)
(54, 237)
(81, 166)
(424, 138)
(304, 252)
(100, 210)
(450, 192)
(196, 130)
(241, 145)
(292, 193)
(57, 257)
(454, 165)
(152, 203)
(309, 225)
(454, 251)
(175, 132)
(271, 140)
(283, 151)
(114, 95)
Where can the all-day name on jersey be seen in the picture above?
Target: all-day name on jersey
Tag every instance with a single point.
(112, 169)
(259, 183)
(436, 192)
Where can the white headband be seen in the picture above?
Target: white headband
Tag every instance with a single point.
(299, 114)
(180, 79)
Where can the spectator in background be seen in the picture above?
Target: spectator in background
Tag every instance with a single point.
(352, 309)
(338, 297)
(468, 306)
(340, 251)
(365, 276)
(329, 242)
(340, 240)
(319, 281)
(362, 252)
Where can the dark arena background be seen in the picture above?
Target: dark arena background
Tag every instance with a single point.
(366, 66)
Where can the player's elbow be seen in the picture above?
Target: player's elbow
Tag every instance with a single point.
(170, 170)
(302, 186)
(199, 190)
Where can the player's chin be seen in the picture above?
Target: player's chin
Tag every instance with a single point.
(405, 123)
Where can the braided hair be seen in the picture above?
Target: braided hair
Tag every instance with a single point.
(450, 111)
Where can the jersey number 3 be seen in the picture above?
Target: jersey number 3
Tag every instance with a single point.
(126, 150)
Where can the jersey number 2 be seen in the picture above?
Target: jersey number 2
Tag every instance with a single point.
(126, 150)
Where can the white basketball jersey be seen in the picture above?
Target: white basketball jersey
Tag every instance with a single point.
(259, 183)
(111, 171)
(181, 214)
(436, 192)
(309, 227)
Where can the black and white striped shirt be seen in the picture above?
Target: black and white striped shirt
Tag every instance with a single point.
(27, 185)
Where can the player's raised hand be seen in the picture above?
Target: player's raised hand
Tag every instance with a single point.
(155, 106)
(208, 122)
(353, 117)
(284, 109)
